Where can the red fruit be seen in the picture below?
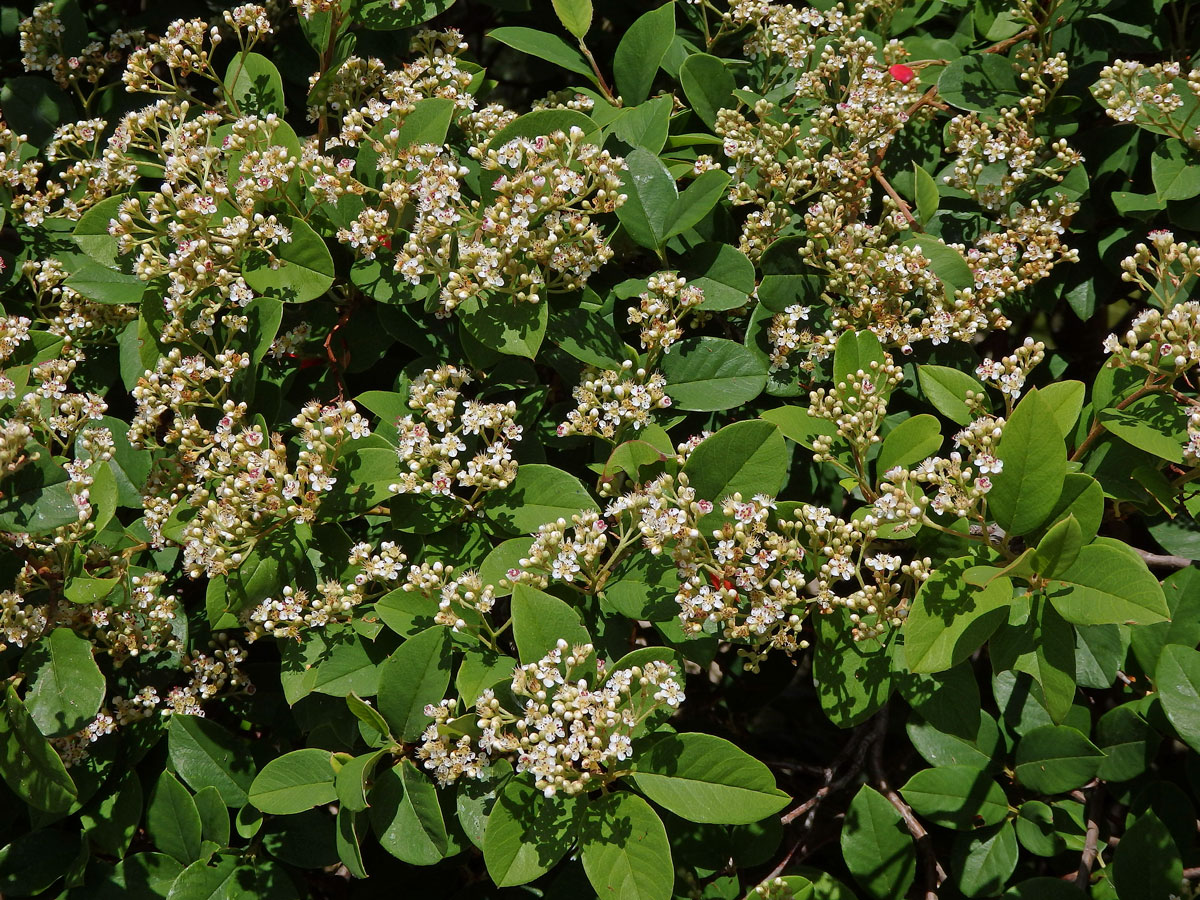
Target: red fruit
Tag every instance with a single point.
(902, 73)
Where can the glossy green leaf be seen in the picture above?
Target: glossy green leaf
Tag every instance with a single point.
(876, 846)
(415, 676)
(625, 850)
(711, 373)
(294, 782)
(1035, 459)
(204, 754)
(704, 778)
(67, 686)
(1054, 759)
(641, 51)
(959, 797)
(172, 820)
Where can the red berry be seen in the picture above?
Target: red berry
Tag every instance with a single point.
(902, 73)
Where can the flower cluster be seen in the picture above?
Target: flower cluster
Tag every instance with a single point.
(1009, 372)
(661, 309)
(753, 578)
(430, 445)
(570, 734)
(297, 610)
(460, 597)
(609, 402)
(1160, 97)
(61, 48)
(1163, 340)
(856, 407)
(565, 551)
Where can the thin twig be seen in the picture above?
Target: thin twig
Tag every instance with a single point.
(1093, 836)
(934, 873)
(1163, 560)
(905, 209)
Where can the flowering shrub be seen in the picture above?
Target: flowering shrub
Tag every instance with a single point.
(715, 449)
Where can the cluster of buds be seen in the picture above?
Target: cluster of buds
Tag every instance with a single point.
(64, 311)
(462, 599)
(136, 618)
(661, 309)
(1160, 97)
(1191, 449)
(857, 407)
(208, 677)
(535, 235)
(43, 37)
(787, 336)
(565, 551)
(753, 579)
(74, 748)
(240, 482)
(571, 734)
(1163, 340)
(609, 402)
(1009, 372)
(430, 444)
(364, 93)
(296, 610)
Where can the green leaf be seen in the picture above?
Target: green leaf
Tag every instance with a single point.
(911, 441)
(1156, 424)
(797, 425)
(428, 123)
(950, 618)
(214, 816)
(641, 51)
(1059, 548)
(854, 352)
(1175, 171)
(294, 782)
(1035, 464)
(708, 374)
(35, 107)
(67, 687)
(587, 336)
(305, 269)
(527, 833)
(349, 823)
(1054, 759)
(111, 821)
(102, 284)
(540, 620)
(625, 850)
(984, 860)
(549, 47)
(545, 121)
(254, 85)
(704, 778)
(645, 125)
(28, 763)
(204, 754)
(947, 389)
(696, 202)
(852, 681)
(384, 15)
(1177, 678)
(538, 494)
(984, 82)
(877, 847)
(1108, 584)
(926, 191)
(575, 15)
(651, 198)
(414, 676)
(36, 859)
(747, 457)
(1147, 865)
(1065, 399)
(406, 816)
(172, 820)
(960, 797)
(722, 272)
(335, 660)
(1128, 742)
(511, 327)
(708, 85)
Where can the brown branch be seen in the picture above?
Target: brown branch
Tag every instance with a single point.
(934, 873)
(1163, 560)
(999, 47)
(1098, 428)
(1083, 874)
(905, 209)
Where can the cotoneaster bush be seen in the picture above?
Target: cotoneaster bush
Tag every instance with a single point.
(511, 448)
